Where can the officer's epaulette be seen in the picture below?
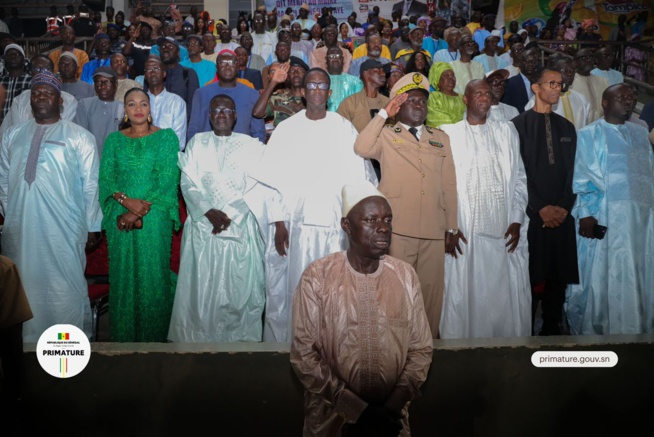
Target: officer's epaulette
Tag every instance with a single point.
(397, 129)
(432, 129)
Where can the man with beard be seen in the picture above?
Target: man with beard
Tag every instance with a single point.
(465, 69)
(518, 88)
(103, 53)
(614, 183)
(263, 42)
(362, 50)
(168, 110)
(487, 290)
(571, 105)
(180, 80)
(244, 96)
(419, 181)
(343, 85)
(341, 314)
(318, 58)
(589, 85)
(416, 36)
(49, 198)
(303, 223)
(282, 97)
(499, 111)
(67, 35)
(119, 65)
(69, 83)
(303, 17)
(206, 70)
(102, 114)
(547, 144)
(361, 107)
(374, 51)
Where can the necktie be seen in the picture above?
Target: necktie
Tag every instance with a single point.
(414, 132)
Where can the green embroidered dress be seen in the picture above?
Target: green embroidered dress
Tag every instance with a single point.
(142, 284)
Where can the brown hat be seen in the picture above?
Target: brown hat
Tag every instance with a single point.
(409, 82)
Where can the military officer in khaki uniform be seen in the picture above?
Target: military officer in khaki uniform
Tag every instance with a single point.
(418, 179)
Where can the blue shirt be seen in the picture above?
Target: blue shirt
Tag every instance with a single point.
(245, 99)
(90, 67)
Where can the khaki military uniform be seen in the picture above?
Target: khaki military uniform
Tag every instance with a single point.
(418, 179)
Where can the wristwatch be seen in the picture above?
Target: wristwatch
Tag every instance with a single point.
(453, 231)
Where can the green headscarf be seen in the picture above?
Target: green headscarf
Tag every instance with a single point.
(436, 71)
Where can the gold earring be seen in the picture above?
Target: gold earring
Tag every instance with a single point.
(125, 119)
(149, 118)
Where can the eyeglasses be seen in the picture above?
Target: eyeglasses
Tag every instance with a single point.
(152, 69)
(553, 84)
(221, 110)
(40, 69)
(227, 62)
(317, 86)
(497, 82)
(334, 56)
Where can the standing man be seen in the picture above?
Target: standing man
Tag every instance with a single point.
(254, 61)
(67, 35)
(168, 110)
(69, 81)
(518, 88)
(206, 70)
(489, 58)
(264, 42)
(180, 80)
(547, 144)
(17, 80)
(374, 51)
(361, 107)
(572, 105)
(419, 183)
(342, 308)
(590, 86)
(499, 111)
(102, 114)
(303, 17)
(451, 53)
(221, 237)
(50, 215)
(318, 57)
(487, 291)
(209, 47)
(614, 183)
(225, 36)
(416, 36)
(119, 65)
(250, 74)
(343, 85)
(244, 96)
(604, 58)
(465, 69)
(103, 53)
(299, 44)
(305, 225)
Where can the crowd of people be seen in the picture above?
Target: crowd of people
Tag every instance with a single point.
(354, 189)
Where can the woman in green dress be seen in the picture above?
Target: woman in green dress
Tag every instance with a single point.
(444, 105)
(139, 180)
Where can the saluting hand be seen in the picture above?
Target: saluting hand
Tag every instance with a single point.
(393, 107)
(280, 74)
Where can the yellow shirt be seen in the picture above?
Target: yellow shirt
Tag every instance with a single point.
(362, 50)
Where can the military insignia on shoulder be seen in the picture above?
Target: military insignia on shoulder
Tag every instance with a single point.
(398, 129)
(428, 129)
(435, 144)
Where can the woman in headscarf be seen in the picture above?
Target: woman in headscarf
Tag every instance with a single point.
(345, 34)
(444, 105)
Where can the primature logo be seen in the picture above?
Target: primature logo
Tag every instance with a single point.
(63, 351)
